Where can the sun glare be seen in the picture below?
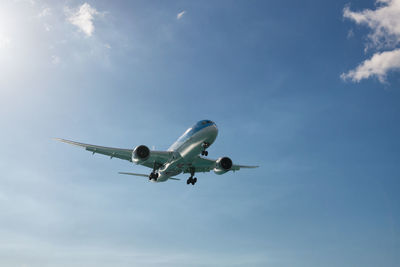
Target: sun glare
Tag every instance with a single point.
(5, 23)
(15, 41)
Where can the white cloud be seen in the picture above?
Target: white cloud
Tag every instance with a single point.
(55, 60)
(180, 14)
(47, 27)
(83, 18)
(384, 23)
(32, 2)
(45, 12)
(379, 65)
(4, 41)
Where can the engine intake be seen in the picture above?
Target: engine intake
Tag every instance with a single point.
(140, 154)
(223, 165)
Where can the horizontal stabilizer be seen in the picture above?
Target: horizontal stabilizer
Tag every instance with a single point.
(247, 167)
(134, 174)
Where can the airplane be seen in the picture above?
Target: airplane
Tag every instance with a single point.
(182, 157)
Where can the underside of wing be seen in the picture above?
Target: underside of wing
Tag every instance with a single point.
(155, 158)
(205, 165)
(120, 153)
(201, 165)
(146, 175)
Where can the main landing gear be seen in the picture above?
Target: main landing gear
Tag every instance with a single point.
(153, 176)
(205, 145)
(191, 180)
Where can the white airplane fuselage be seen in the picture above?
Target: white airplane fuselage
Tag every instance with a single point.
(195, 140)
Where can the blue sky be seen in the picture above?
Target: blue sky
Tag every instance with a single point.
(307, 90)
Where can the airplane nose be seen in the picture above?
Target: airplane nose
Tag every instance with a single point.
(215, 129)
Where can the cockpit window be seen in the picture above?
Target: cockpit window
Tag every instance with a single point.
(204, 122)
(209, 121)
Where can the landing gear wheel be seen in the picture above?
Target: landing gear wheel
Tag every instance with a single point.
(205, 145)
(191, 180)
(153, 176)
(204, 153)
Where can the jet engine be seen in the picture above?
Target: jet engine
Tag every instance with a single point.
(223, 165)
(140, 154)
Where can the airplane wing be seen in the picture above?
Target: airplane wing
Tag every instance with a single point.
(205, 165)
(158, 157)
(145, 175)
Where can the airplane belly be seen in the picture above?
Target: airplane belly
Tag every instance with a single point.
(193, 146)
(162, 179)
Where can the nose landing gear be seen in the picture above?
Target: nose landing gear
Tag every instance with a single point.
(205, 145)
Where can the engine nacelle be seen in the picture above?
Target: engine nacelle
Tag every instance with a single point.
(140, 154)
(223, 165)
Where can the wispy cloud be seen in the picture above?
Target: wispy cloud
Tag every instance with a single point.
(5, 41)
(47, 27)
(55, 59)
(350, 34)
(32, 2)
(45, 12)
(180, 14)
(384, 23)
(83, 18)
